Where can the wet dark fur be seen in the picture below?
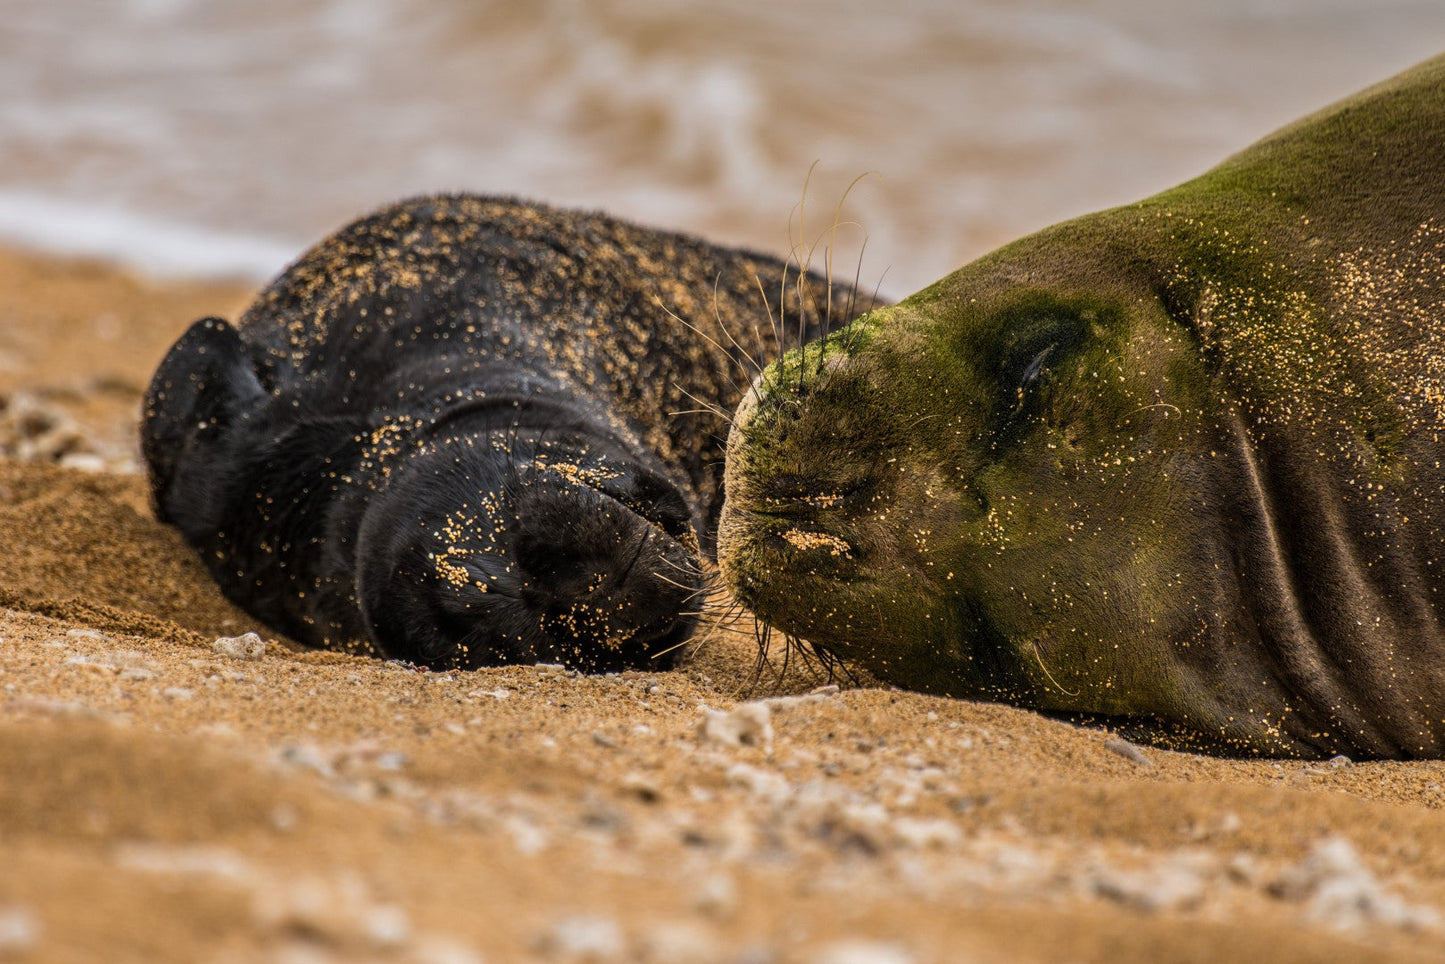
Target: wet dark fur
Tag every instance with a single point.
(449, 432)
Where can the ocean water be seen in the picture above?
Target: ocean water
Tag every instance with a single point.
(198, 137)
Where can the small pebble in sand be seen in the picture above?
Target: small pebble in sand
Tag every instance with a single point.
(386, 925)
(35, 430)
(501, 693)
(123, 661)
(246, 646)
(62, 708)
(19, 931)
(673, 941)
(1339, 891)
(390, 761)
(584, 937)
(284, 817)
(337, 911)
(185, 861)
(308, 757)
(1175, 884)
(716, 895)
(85, 662)
(813, 697)
(335, 760)
(527, 837)
(82, 462)
(550, 669)
(748, 724)
(641, 787)
(1242, 869)
(770, 787)
(1127, 750)
(862, 952)
(923, 833)
(441, 950)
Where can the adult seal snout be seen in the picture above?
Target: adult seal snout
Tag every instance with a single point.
(467, 431)
(1176, 466)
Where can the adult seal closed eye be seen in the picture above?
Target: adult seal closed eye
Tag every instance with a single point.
(1176, 466)
(467, 430)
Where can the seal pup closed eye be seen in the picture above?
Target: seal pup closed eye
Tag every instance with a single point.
(1178, 465)
(451, 431)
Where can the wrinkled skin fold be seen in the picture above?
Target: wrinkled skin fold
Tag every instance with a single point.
(1175, 466)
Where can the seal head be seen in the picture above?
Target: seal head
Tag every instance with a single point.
(1173, 467)
(466, 430)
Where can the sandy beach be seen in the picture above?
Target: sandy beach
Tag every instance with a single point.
(164, 797)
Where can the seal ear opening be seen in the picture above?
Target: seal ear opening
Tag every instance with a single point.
(204, 387)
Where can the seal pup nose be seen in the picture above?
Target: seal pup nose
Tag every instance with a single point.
(604, 582)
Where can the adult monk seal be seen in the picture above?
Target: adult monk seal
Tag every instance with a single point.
(1177, 464)
(450, 431)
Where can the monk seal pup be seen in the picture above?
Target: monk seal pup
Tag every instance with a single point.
(449, 431)
(1176, 466)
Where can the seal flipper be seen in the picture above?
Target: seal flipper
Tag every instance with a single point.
(204, 390)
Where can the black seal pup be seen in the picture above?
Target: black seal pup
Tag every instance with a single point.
(1179, 465)
(451, 431)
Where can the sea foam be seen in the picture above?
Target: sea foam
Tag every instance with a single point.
(153, 246)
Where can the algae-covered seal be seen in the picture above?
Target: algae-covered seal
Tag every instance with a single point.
(1176, 465)
(470, 431)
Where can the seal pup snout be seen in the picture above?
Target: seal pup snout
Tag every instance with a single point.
(543, 553)
(610, 570)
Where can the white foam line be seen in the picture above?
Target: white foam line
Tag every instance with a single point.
(153, 246)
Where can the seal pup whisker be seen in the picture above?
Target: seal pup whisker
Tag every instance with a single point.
(722, 325)
(775, 323)
(719, 622)
(709, 339)
(706, 407)
(691, 592)
(692, 569)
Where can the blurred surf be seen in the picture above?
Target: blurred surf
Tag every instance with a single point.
(186, 136)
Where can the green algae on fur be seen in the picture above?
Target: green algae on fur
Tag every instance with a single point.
(1174, 464)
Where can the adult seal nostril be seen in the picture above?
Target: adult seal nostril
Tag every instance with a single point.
(469, 430)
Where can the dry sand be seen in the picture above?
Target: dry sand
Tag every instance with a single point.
(161, 800)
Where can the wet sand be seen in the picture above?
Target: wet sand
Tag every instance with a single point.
(162, 800)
